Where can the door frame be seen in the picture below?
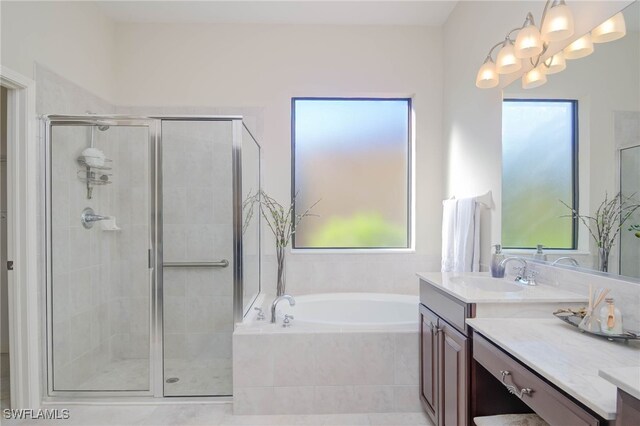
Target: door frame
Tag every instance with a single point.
(22, 239)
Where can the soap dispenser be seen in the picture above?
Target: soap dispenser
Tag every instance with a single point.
(540, 255)
(496, 258)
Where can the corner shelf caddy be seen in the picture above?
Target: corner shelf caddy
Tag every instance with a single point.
(93, 175)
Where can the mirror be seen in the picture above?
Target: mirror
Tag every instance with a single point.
(605, 87)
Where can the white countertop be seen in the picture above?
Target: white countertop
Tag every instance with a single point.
(473, 287)
(566, 357)
(625, 378)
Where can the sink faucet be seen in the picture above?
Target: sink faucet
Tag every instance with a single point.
(569, 259)
(288, 297)
(523, 277)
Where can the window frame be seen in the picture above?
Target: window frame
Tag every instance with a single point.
(575, 153)
(409, 247)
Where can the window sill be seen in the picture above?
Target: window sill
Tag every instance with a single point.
(530, 252)
(353, 251)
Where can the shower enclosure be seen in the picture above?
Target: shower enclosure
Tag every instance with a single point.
(151, 257)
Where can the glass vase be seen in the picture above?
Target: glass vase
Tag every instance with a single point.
(603, 259)
(281, 278)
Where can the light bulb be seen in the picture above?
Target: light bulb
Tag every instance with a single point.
(558, 24)
(534, 78)
(506, 62)
(487, 75)
(555, 64)
(528, 43)
(610, 30)
(580, 48)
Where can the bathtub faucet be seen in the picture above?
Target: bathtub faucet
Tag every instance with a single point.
(288, 297)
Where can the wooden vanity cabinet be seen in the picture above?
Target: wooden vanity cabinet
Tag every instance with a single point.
(628, 409)
(444, 366)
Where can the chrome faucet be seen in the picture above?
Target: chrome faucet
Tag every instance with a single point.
(89, 217)
(523, 276)
(287, 297)
(569, 259)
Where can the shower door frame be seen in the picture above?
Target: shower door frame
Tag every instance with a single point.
(48, 121)
(619, 152)
(156, 330)
(236, 205)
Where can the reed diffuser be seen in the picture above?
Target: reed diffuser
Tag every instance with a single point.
(591, 322)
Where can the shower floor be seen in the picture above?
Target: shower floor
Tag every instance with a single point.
(123, 374)
(196, 377)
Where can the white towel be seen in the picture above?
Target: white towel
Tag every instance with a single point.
(461, 235)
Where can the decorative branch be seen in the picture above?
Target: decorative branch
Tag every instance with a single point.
(610, 217)
(281, 221)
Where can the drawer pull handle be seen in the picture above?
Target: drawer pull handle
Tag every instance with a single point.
(512, 389)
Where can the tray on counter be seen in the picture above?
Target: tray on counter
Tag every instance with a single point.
(575, 318)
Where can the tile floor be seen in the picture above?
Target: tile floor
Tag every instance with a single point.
(210, 414)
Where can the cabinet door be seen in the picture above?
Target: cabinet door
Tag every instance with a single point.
(428, 362)
(453, 377)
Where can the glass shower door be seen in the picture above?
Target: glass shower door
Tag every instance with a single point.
(100, 235)
(630, 232)
(197, 225)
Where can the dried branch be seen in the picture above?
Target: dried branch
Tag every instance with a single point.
(282, 222)
(610, 217)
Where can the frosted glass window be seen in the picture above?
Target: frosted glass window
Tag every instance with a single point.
(354, 156)
(539, 151)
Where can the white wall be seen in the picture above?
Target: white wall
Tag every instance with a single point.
(71, 38)
(262, 65)
(472, 123)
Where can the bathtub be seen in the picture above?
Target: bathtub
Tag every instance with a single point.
(358, 310)
(343, 353)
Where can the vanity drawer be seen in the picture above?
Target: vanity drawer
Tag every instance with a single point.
(554, 407)
(453, 311)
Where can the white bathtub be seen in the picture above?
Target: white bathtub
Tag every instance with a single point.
(344, 353)
(358, 310)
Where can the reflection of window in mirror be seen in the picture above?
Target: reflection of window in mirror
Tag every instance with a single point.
(539, 169)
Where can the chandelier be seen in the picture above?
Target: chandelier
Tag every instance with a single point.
(532, 43)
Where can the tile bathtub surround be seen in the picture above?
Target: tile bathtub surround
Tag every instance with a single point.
(325, 372)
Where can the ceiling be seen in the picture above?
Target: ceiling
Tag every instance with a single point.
(354, 12)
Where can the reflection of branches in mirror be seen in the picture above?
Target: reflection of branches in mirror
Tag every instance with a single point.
(608, 220)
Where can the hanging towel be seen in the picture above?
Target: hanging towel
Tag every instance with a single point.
(461, 235)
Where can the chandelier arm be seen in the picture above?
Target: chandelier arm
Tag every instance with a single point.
(501, 43)
(544, 13)
(508, 36)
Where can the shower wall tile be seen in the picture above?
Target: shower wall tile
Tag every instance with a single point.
(201, 346)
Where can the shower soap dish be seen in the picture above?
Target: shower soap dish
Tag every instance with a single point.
(109, 224)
